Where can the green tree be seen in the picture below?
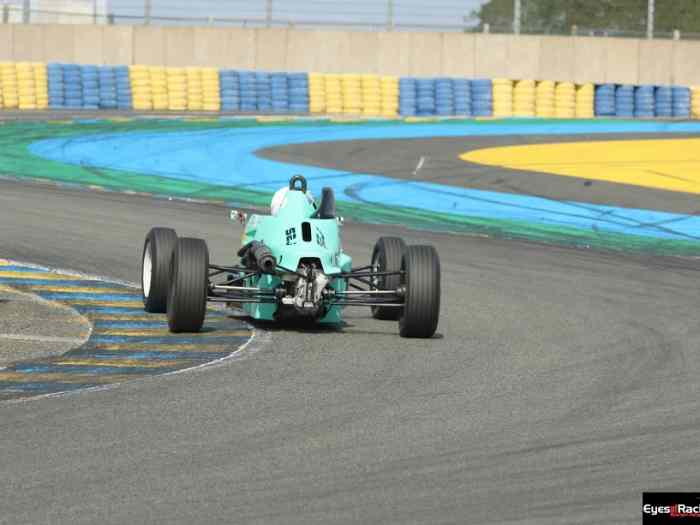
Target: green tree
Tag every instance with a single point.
(615, 16)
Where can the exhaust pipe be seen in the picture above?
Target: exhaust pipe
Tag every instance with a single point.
(260, 255)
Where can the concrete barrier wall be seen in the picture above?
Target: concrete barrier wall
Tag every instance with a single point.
(577, 59)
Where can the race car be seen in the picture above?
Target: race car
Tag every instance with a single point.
(292, 267)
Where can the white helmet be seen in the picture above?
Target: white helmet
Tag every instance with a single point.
(279, 200)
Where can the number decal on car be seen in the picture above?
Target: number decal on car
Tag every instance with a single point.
(291, 236)
(320, 238)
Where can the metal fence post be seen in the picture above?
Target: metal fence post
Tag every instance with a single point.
(390, 15)
(26, 11)
(147, 12)
(268, 13)
(650, 19)
(517, 16)
(5, 14)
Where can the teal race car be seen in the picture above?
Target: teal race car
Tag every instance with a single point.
(292, 267)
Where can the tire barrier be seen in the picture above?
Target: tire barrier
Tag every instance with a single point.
(263, 88)
(249, 91)
(644, 102)
(663, 101)
(681, 102)
(444, 97)
(605, 100)
(124, 94)
(334, 94)
(159, 88)
(565, 100)
(524, 98)
(140, 78)
(211, 89)
(482, 97)
(544, 99)
(195, 89)
(31, 86)
(317, 93)
(73, 86)
(26, 86)
(57, 98)
(425, 97)
(10, 93)
(624, 101)
(298, 86)
(176, 89)
(279, 89)
(90, 87)
(82, 87)
(389, 87)
(695, 101)
(41, 85)
(371, 95)
(230, 86)
(107, 88)
(408, 105)
(585, 101)
(352, 94)
(502, 97)
(462, 97)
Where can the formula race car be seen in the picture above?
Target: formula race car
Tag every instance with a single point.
(292, 266)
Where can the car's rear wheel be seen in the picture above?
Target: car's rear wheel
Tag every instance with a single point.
(386, 257)
(421, 311)
(187, 300)
(155, 268)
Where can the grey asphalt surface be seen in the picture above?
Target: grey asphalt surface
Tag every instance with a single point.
(441, 164)
(563, 384)
(32, 328)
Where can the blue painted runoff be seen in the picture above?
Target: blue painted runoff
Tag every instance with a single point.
(227, 157)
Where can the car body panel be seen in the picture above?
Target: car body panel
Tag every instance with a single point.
(293, 235)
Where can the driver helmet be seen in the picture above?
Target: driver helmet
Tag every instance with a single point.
(279, 200)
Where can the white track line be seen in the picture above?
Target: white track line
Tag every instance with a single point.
(255, 342)
(420, 165)
(42, 339)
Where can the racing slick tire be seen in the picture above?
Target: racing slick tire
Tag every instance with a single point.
(155, 269)
(386, 257)
(421, 311)
(187, 298)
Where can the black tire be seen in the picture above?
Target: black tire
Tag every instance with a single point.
(187, 299)
(155, 269)
(422, 281)
(386, 257)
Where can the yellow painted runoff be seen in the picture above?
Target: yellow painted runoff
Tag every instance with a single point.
(670, 164)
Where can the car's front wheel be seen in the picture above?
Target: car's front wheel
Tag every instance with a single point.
(386, 257)
(421, 279)
(187, 299)
(155, 268)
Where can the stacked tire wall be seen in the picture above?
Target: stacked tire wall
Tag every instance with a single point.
(35, 86)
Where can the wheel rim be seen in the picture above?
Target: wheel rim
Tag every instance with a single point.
(147, 270)
(375, 267)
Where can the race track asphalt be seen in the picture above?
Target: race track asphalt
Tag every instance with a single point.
(562, 384)
(437, 160)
